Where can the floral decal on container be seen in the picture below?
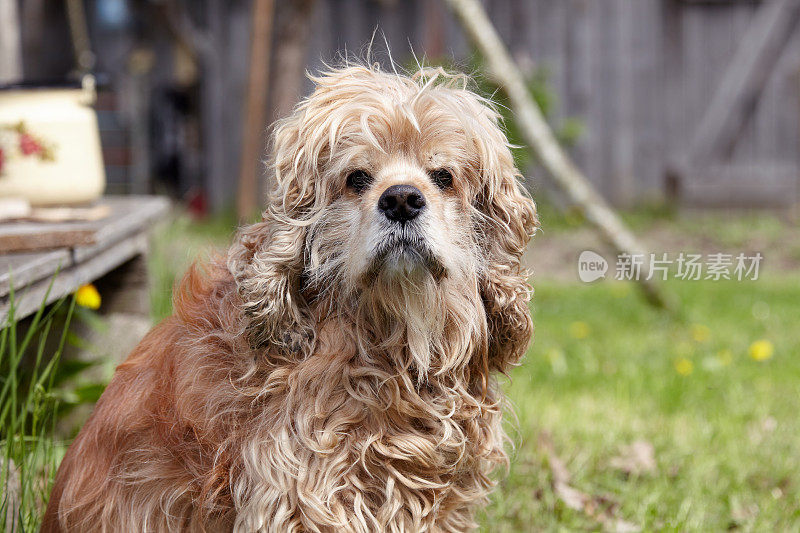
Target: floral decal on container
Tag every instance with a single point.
(17, 141)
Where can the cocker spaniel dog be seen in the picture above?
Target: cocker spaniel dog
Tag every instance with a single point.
(335, 372)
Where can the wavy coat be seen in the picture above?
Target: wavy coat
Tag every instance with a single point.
(303, 385)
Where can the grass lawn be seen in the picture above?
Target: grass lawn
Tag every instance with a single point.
(605, 372)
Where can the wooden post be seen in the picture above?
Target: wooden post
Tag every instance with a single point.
(214, 100)
(255, 107)
(540, 138)
(293, 29)
(10, 49)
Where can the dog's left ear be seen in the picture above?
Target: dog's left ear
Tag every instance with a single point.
(508, 221)
(267, 259)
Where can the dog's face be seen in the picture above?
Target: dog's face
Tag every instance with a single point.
(400, 170)
(403, 218)
(400, 205)
(392, 183)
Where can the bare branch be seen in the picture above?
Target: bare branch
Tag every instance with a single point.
(540, 138)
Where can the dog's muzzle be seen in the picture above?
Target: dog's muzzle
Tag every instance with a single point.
(405, 251)
(401, 203)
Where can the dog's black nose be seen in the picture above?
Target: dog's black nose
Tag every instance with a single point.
(401, 202)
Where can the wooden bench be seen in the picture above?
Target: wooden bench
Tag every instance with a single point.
(70, 254)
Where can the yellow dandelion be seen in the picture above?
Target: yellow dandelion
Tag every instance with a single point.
(579, 330)
(725, 357)
(683, 366)
(87, 296)
(700, 333)
(761, 350)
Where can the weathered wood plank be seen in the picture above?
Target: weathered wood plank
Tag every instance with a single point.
(25, 268)
(27, 236)
(647, 100)
(29, 299)
(130, 215)
(744, 147)
(604, 89)
(577, 50)
(624, 55)
(787, 104)
(673, 64)
(777, 115)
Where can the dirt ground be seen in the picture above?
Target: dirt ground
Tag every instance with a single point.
(554, 251)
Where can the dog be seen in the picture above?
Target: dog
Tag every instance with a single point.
(336, 371)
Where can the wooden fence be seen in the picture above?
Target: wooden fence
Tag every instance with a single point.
(644, 77)
(639, 74)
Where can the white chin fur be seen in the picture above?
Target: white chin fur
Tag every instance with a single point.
(404, 261)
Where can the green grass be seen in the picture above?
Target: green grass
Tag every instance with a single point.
(726, 436)
(176, 244)
(29, 358)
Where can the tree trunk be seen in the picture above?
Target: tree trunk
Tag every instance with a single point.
(255, 108)
(293, 29)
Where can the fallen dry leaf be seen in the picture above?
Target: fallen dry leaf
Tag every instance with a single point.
(572, 497)
(599, 508)
(636, 458)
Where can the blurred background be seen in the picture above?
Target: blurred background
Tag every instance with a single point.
(628, 83)
(684, 115)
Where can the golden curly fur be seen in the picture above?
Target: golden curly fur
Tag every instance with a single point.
(335, 373)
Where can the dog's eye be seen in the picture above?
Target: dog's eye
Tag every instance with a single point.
(359, 180)
(442, 178)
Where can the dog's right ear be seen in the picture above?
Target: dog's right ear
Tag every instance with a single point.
(267, 259)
